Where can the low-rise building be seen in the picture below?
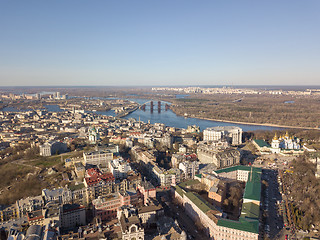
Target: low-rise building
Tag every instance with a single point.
(8, 212)
(29, 204)
(97, 158)
(59, 196)
(150, 213)
(52, 148)
(130, 224)
(79, 169)
(178, 158)
(147, 191)
(106, 207)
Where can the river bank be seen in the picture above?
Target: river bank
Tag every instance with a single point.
(245, 123)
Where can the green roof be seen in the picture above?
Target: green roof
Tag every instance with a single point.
(243, 224)
(76, 187)
(239, 167)
(180, 187)
(199, 175)
(250, 210)
(178, 190)
(261, 143)
(202, 204)
(253, 186)
(189, 183)
(252, 190)
(254, 176)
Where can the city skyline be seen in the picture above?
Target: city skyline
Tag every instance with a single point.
(159, 43)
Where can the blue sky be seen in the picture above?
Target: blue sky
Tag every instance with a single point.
(167, 42)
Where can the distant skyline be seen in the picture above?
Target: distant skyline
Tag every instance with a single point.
(157, 43)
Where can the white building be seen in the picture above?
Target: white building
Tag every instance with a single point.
(230, 133)
(189, 169)
(164, 178)
(119, 168)
(97, 157)
(45, 149)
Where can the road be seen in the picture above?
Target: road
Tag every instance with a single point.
(274, 226)
(271, 195)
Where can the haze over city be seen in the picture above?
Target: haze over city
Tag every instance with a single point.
(117, 43)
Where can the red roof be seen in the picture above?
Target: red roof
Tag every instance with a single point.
(95, 176)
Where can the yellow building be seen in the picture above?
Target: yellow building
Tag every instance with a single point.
(8, 213)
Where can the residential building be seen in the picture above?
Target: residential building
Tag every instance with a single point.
(72, 215)
(106, 207)
(164, 177)
(97, 183)
(79, 169)
(8, 212)
(59, 196)
(189, 169)
(147, 191)
(150, 213)
(177, 158)
(29, 204)
(119, 168)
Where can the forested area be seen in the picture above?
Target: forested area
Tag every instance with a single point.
(304, 191)
(279, 110)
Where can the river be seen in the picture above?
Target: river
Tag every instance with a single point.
(169, 118)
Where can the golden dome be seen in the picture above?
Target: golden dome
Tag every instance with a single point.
(275, 137)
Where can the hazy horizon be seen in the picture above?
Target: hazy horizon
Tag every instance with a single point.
(258, 87)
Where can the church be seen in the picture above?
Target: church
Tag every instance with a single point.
(93, 135)
(284, 143)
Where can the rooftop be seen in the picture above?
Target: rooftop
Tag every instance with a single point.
(223, 128)
(261, 143)
(239, 167)
(250, 210)
(243, 224)
(252, 190)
